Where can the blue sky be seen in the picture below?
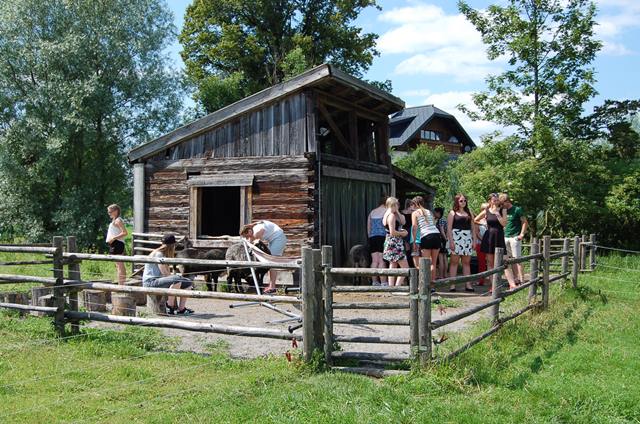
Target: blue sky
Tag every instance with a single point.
(434, 56)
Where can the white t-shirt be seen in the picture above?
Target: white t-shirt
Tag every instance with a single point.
(113, 230)
(271, 230)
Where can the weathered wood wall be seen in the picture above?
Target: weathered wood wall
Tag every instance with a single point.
(277, 129)
(283, 192)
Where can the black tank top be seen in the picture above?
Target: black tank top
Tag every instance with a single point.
(461, 222)
(398, 226)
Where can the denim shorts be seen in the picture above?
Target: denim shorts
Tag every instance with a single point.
(166, 282)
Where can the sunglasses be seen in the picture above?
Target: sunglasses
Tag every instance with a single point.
(462, 200)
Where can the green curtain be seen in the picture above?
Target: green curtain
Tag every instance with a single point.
(345, 206)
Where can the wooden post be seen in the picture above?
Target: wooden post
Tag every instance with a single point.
(58, 290)
(36, 294)
(327, 262)
(414, 325)
(424, 311)
(576, 262)
(308, 281)
(138, 204)
(565, 259)
(94, 300)
(73, 271)
(157, 304)
(319, 306)
(495, 285)
(592, 252)
(546, 251)
(123, 305)
(583, 254)
(533, 288)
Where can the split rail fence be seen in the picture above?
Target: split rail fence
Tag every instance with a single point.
(550, 260)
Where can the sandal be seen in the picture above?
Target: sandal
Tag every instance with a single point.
(452, 289)
(270, 291)
(185, 311)
(171, 310)
(467, 289)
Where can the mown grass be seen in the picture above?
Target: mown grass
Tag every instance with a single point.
(577, 362)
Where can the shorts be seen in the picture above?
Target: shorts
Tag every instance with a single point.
(166, 282)
(430, 241)
(514, 247)
(277, 245)
(116, 247)
(376, 244)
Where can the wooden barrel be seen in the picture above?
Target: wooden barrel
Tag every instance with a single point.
(94, 300)
(156, 304)
(140, 298)
(123, 304)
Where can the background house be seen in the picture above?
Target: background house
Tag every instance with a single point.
(428, 125)
(310, 154)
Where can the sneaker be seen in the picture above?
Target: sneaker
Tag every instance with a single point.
(171, 310)
(185, 311)
(375, 283)
(385, 284)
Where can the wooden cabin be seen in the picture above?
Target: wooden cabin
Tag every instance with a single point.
(310, 154)
(428, 125)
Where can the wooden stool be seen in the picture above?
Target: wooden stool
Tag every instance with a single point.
(140, 298)
(123, 305)
(156, 304)
(94, 300)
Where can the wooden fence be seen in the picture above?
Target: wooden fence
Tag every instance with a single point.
(317, 297)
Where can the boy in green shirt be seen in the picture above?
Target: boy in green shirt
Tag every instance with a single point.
(514, 232)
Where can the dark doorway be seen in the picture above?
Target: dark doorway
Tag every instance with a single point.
(220, 212)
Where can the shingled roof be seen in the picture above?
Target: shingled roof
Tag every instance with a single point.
(404, 125)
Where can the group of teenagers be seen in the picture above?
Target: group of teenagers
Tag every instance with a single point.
(161, 275)
(396, 235)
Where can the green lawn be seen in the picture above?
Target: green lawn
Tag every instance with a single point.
(577, 362)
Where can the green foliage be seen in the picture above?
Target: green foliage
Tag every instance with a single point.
(81, 82)
(430, 166)
(234, 48)
(549, 46)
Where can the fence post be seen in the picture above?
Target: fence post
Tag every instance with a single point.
(318, 323)
(307, 279)
(592, 252)
(546, 263)
(73, 274)
(583, 254)
(565, 259)
(327, 262)
(424, 311)
(58, 291)
(495, 284)
(576, 262)
(414, 325)
(533, 288)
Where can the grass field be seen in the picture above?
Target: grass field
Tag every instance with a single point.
(577, 362)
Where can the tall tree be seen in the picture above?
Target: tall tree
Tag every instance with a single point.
(549, 46)
(80, 82)
(233, 48)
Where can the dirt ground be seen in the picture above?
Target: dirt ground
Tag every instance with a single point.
(220, 312)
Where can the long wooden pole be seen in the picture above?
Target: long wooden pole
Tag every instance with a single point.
(592, 252)
(533, 275)
(58, 291)
(495, 285)
(583, 253)
(565, 259)
(327, 262)
(576, 262)
(424, 311)
(318, 323)
(307, 280)
(546, 250)
(414, 324)
(73, 274)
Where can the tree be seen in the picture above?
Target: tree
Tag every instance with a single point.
(429, 166)
(81, 82)
(549, 46)
(233, 48)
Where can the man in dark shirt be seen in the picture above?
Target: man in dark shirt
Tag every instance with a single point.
(514, 233)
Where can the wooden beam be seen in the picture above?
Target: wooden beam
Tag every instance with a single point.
(334, 127)
(352, 174)
(233, 180)
(353, 133)
(346, 106)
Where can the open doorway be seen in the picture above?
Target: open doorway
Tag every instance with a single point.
(220, 211)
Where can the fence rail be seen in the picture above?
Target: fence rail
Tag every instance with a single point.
(317, 296)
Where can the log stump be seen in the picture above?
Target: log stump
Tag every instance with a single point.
(94, 300)
(46, 300)
(156, 304)
(123, 304)
(140, 298)
(38, 292)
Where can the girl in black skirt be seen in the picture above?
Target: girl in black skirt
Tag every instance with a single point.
(115, 239)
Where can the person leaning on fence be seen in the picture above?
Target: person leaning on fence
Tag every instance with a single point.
(159, 275)
(115, 239)
(514, 232)
(377, 235)
(394, 252)
(273, 236)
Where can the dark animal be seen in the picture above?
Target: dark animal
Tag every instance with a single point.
(235, 275)
(359, 257)
(211, 273)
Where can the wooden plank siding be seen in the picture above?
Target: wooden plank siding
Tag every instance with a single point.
(283, 192)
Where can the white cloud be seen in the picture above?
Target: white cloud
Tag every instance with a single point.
(455, 61)
(615, 49)
(615, 18)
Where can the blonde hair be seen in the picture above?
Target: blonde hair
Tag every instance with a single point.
(504, 197)
(169, 250)
(114, 207)
(391, 202)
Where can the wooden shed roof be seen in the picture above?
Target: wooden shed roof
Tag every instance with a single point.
(325, 77)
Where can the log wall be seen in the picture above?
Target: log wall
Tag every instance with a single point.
(283, 192)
